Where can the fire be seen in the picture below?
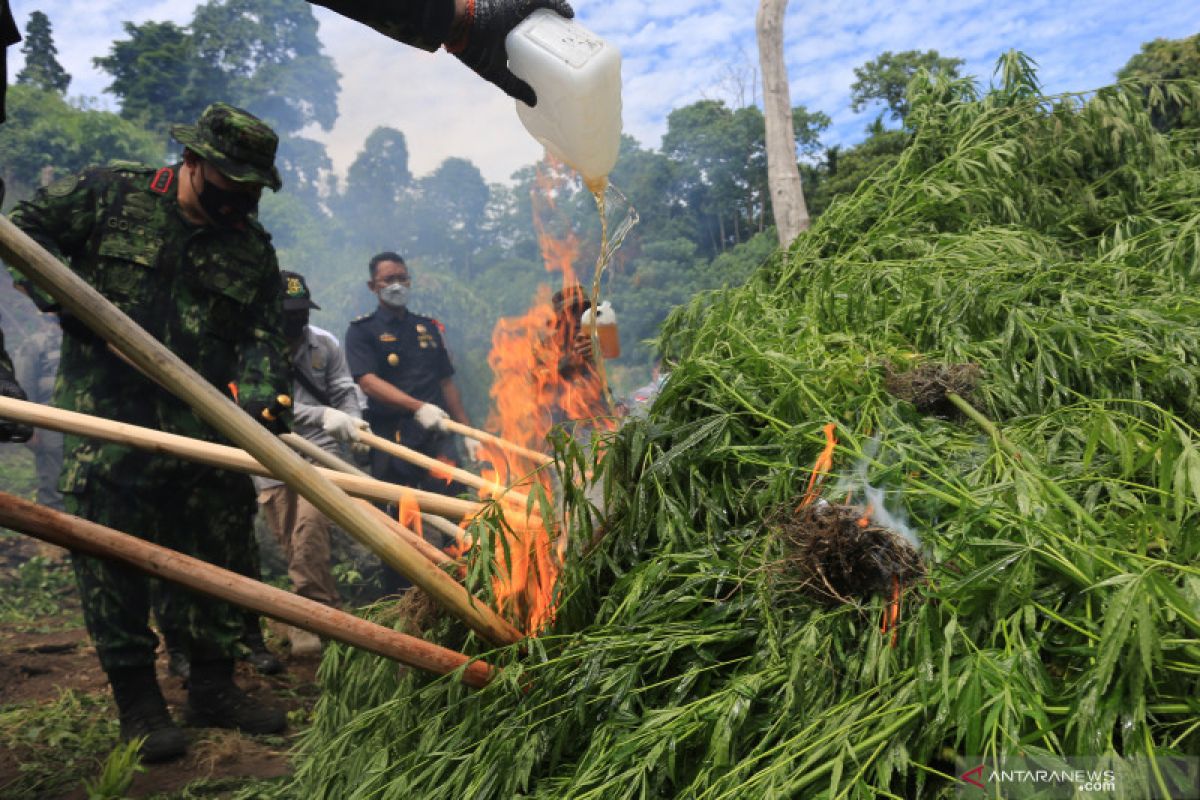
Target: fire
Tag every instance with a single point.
(443, 474)
(409, 513)
(530, 396)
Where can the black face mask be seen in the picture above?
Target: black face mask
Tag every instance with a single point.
(226, 207)
(294, 324)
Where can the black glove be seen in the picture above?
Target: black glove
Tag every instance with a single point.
(479, 42)
(12, 431)
(270, 414)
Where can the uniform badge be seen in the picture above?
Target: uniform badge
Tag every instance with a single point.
(386, 337)
(162, 180)
(421, 328)
(393, 359)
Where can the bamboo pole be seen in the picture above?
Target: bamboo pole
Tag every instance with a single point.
(111, 324)
(306, 448)
(216, 455)
(440, 469)
(540, 459)
(160, 562)
(326, 459)
(426, 549)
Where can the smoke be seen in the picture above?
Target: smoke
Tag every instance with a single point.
(875, 497)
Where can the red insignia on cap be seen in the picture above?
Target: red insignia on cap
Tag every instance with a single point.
(162, 180)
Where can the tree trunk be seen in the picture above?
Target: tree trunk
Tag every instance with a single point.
(783, 174)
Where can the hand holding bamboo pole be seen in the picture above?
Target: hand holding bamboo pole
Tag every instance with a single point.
(166, 368)
(217, 455)
(440, 469)
(540, 459)
(160, 562)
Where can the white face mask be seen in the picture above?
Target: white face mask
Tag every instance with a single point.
(394, 295)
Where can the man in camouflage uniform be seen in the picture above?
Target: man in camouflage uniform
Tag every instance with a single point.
(179, 250)
(37, 366)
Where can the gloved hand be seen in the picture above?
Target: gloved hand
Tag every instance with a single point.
(269, 414)
(478, 40)
(12, 431)
(430, 417)
(472, 446)
(342, 426)
(361, 452)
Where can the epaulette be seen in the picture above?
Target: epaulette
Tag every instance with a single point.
(362, 318)
(120, 165)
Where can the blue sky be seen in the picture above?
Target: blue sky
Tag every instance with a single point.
(674, 52)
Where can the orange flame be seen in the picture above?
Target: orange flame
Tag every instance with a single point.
(409, 513)
(443, 474)
(529, 395)
(821, 468)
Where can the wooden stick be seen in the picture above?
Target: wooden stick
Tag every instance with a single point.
(215, 455)
(306, 448)
(441, 469)
(487, 438)
(326, 459)
(428, 550)
(160, 562)
(112, 325)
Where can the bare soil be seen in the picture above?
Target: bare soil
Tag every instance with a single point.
(42, 659)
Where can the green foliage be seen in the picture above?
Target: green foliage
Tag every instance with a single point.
(117, 774)
(158, 77)
(1051, 241)
(44, 130)
(1162, 69)
(884, 79)
(59, 743)
(42, 69)
(37, 589)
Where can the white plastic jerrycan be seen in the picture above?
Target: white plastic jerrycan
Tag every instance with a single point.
(606, 329)
(577, 78)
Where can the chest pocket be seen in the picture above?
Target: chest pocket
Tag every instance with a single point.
(228, 289)
(127, 255)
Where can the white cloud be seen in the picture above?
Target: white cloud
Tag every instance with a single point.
(674, 52)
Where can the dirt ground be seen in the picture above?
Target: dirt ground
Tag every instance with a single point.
(57, 718)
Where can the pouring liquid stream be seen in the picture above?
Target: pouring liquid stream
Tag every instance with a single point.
(600, 190)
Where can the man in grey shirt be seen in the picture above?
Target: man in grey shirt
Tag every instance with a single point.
(327, 413)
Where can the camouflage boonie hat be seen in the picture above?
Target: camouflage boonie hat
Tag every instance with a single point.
(295, 292)
(234, 141)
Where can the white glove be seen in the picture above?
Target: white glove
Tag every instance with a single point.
(430, 416)
(341, 426)
(472, 447)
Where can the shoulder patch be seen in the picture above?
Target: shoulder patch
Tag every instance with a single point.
(63, 186)
(161, 181)
(441, 328)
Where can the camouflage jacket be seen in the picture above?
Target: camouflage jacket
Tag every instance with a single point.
(211, 295)
(420, 23)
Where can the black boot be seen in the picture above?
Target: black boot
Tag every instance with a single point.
(259, 656)
(143, 712)
(214, 701)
